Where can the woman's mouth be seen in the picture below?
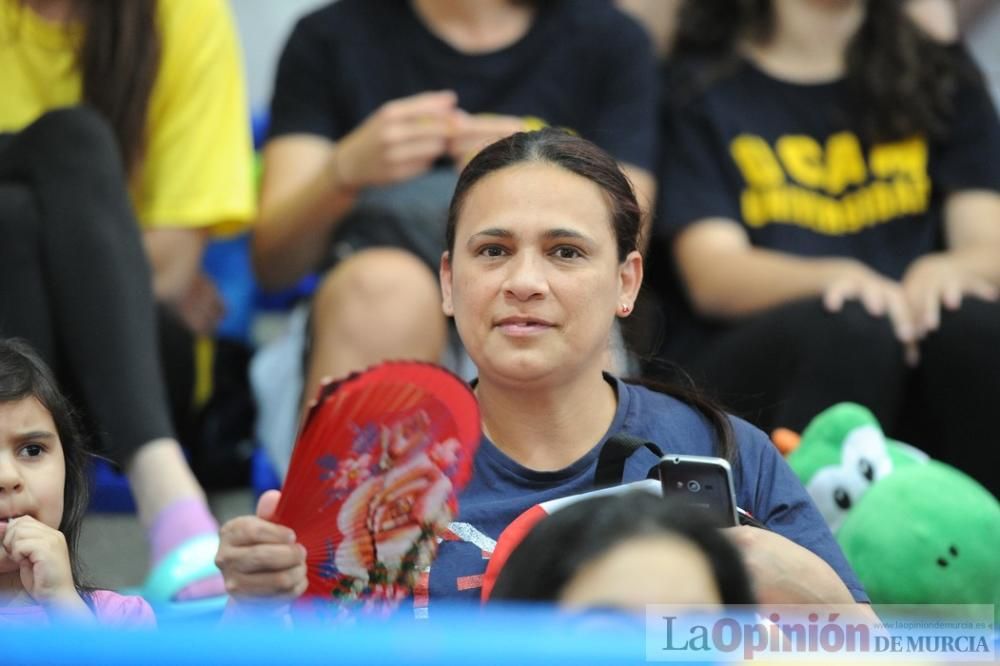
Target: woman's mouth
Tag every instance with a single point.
(523, 326)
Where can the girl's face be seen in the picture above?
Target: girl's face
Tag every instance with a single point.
(534, 281)
(32, 468)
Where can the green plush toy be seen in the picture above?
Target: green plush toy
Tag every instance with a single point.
(915, 530)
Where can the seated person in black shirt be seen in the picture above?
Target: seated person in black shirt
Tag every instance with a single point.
(831, 189)
(377, 102)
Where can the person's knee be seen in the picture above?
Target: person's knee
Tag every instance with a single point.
(19, 217)
(971, 331)
(71, 163)
(854, 331)
(77, 130)
(850, 342)
(376, 288)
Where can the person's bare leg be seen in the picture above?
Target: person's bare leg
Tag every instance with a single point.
(377, 305)
(172, 507)
(159, 476)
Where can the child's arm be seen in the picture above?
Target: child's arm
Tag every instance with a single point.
(43, 557)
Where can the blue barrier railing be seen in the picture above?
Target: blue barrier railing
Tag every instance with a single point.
(512, 637)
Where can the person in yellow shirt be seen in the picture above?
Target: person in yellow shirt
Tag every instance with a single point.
(124, 145)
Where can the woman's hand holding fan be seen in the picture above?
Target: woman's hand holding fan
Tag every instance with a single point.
(374, 477)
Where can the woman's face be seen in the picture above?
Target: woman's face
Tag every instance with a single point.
(641, 571)
(534, 281)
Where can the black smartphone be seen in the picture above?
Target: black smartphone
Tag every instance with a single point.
(702, 484)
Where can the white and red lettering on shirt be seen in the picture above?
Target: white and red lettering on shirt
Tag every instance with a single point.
(459, 532)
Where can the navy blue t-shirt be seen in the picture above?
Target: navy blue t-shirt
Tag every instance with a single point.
(787, 161)
(583, 65)
(501, 489)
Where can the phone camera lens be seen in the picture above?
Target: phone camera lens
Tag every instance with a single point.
(694, 486)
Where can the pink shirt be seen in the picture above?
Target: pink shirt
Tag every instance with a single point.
(112, 610)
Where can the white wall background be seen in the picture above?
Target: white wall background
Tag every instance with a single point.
(984, 42)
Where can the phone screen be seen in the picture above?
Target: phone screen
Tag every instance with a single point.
(701, 484)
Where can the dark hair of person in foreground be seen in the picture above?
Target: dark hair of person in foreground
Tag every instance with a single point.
(556, 549)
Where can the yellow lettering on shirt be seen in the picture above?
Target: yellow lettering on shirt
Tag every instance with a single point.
(830, 187)
(802, 157)
(757, 162)
(907, 158)
(845, 163)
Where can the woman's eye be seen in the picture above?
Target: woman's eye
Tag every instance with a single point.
(567, 252)
(491, 251)
(33, 450)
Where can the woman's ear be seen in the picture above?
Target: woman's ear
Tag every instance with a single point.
(629, 281)
(444, 275)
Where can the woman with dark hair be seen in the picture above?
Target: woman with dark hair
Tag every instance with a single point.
(43, 497)
(831, 190)
(623, 551)
(542, 257)
(124, 143)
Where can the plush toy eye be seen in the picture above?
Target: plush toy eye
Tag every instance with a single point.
(865, 454)
(835, 489)
(864, 459)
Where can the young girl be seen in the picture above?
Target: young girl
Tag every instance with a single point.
(542, 256)
(43, 496)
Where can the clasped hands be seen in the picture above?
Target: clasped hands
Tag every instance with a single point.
(404, 137)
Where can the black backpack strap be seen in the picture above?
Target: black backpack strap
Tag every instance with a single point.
(611, 461)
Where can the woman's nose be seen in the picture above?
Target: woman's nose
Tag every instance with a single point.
(526, 276)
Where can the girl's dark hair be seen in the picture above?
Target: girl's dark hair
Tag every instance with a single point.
(23, 374)
(902, 80)
(561, 544)
(585, 159)
(118, 61)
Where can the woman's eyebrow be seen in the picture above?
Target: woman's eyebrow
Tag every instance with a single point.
(551, 234)
(34, 434)
(492, 232)
(565, 233)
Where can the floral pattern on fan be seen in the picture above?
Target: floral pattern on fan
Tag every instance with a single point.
(383, 455)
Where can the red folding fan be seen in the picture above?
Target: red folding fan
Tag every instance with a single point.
(374, 477)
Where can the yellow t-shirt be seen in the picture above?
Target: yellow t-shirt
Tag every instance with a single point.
(197, 165)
